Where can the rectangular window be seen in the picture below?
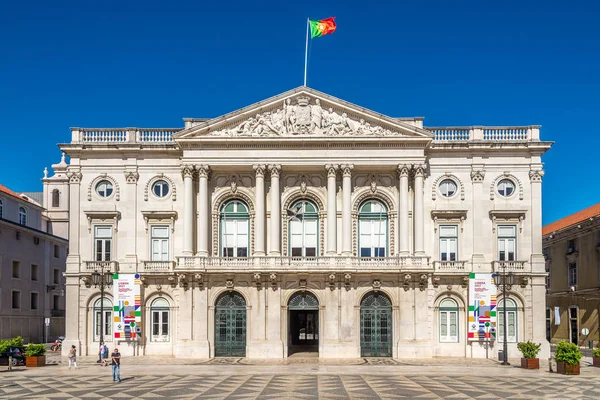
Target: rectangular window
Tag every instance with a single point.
(160, 325)
(16, 269)
(160, 243)
(547, 277)
(448, 242)
(34, 272)
(373, 237)
(548, 324)
(56, 302)
(56, 251)
(449, 326)
(507, 243)
(572, 274)
(511, 316)
(103, 242)
(235, 238)
(303, 235)
(34, 301)
(16, 299)
(107, 324)
(56, 277)
(574, 325)
(571, 247)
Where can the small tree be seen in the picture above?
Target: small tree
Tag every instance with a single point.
(16, 342)
(529, 349)
(35, 350)
(568, 353)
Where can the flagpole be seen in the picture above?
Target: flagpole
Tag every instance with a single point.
(306, 51)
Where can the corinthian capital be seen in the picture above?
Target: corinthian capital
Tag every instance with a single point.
(187, 171)
(203, 170)
(403, 170)
(331, 169)
(477, 175)
(74, 177)
(536, 175)
(347, 169)
(419, 170)
(275, 170)
(260, 169)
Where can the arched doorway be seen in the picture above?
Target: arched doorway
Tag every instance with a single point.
(230, 325)
(303, 323)
(376, 327)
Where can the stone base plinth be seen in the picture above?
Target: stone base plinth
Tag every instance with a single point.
(414, 349)
(191, 349)
(264, 349)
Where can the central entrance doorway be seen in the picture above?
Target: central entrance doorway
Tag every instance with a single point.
(303, 325)
(230, 325)
(376, 326)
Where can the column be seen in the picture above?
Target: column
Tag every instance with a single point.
(347, 209)
(188, 209)
(419, 221)
(259, 206)
(275, 210)
(203, 211)
(331, 209)
(403, 209)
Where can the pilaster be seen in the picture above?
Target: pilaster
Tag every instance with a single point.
(275, 170)
(403, 171)
(187, 171)
(259, 206)
(203, 210)
(347, 209)
(331, 208)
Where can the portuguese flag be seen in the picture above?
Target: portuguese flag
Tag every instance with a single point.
(322, 27)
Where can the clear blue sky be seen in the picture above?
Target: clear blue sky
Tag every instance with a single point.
(150, 63)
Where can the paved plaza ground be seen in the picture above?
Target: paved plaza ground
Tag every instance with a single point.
(300, 378)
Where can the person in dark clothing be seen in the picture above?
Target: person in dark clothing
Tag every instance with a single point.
(116, 365)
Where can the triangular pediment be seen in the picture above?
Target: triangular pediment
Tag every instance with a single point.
(302, 113)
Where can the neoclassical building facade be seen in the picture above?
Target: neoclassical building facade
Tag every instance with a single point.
(304, 223)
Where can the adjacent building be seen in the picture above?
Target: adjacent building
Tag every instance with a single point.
(33, 252)
(572, 252)
(304, 223)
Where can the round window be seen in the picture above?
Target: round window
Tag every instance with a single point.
(447, 188)
(160, 188)
(104, 188)
(506, 187)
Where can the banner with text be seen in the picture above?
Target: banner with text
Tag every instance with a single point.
(482, 307)
(127, 312)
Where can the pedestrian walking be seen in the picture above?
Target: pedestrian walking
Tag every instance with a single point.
(73, 356)
(100, 351)
(116, 365)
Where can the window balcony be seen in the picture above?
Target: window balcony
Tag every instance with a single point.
(91, 266)
(511, 266)
(452, 267)
(157, 266)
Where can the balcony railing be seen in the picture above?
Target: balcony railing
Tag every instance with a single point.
(123, 135)
(157, 266)
(489, 133)
(510, 266)
(452, 266)
(91, 266)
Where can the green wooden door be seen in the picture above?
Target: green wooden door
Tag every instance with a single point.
(376, 326)
(230, 326)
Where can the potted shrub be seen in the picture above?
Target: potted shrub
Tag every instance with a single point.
(530, 351)
(35, 355)
(597, 357)
(567, 358)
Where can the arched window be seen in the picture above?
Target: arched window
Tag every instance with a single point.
(235, 226)
(105, 309)
(373, 229)
(55, 198)
(22, 216)
(448, 321)
(304, 228)
(511, 320)
(159, 311)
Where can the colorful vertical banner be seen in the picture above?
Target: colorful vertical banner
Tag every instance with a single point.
(482, 307)
(127, 313)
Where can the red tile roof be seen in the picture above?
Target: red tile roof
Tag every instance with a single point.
(6, 190)
(572, 219)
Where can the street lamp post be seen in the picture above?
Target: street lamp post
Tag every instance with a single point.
(102, 279)
(505, 280)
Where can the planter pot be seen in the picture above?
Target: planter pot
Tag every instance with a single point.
(567, 369)
(530, 363)
(35, 361)
(596, 361)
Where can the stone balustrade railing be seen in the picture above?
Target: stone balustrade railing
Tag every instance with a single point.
(123, 135)
(452, 266)
(488, 133)
(157, 266)
(511, 266)
(91, 266)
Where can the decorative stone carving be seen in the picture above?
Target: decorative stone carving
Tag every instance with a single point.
(45, 172)
(347, 169)
(159, 287)
(477, 176)
(302, 284)
(303, 184)
(373, 183)
(299, 117)
(257, 280)
(449, 287)
(376, 285)
(347, 283)
(331, 278)
(406, 282)
(436, 281)
(172, 281)
(229, 284)
(144, 281)
(187, 171)
(273, 279)
(331, 170)
(131, 177)
(199, 280)
(74, 177)
(524, 281)
(465, 281)
(403, 170)
(275, 170)
(182, 280)
(86, 281)
(536, 175)
(203, 170)
(422, 282)
(233, 182)
(419, 169)
(259, 169)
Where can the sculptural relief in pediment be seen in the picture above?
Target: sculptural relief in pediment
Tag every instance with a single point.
(304, 116)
